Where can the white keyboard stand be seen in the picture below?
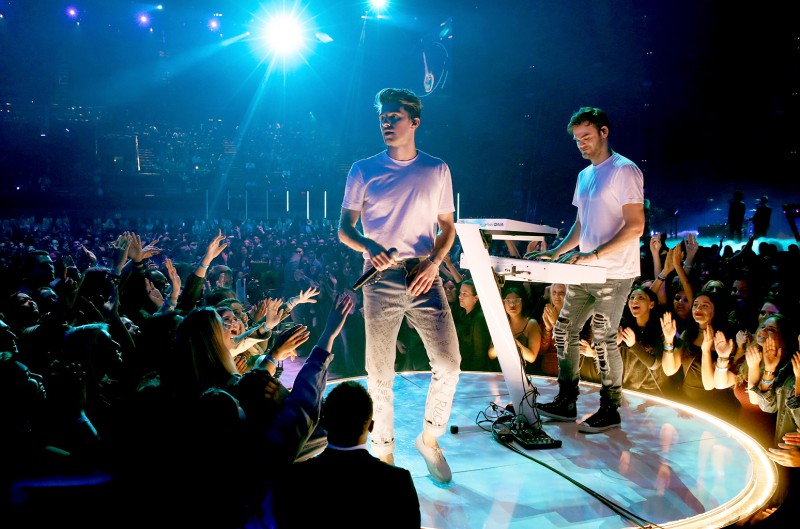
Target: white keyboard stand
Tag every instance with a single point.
(483, 272)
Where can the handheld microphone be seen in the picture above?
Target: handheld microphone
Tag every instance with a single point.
(371, 272)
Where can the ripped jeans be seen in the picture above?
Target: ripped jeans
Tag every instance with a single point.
(386, 303)
(604, 304)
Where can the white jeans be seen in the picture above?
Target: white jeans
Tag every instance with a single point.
(386, 302)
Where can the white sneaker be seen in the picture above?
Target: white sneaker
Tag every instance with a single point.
(434, 458)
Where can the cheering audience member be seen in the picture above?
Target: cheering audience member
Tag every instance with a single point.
(776, 393)
(687, 353)
(548, 355)
(473, 332)
(526, 330)
(641, 344)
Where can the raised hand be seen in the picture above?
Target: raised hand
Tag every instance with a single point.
(215, 247)
(174, 277)
(150, 249)
(742, 338)
(288, 341)
(89, 255)
(708, 339)
(628, 336)
(723, 346)
(270, 310)
(753, 357)
(691, 247)
(655, 244)
(119, 250)
(677, 256)
(549, 316)
(306, 296)
(772, 354)
(338, 314)
(669, 262)
(668, 327)
(153, 293)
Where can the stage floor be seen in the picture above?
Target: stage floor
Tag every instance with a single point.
(669, 466)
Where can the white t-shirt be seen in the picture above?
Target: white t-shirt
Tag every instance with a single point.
(600, 193)
(400, 201)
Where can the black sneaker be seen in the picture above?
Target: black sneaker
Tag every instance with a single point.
(561, 409)
(605, 418)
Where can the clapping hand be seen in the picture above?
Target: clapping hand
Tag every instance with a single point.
(668, 327)
(772, 354)
(788, 452)
(723, 346)
(549, 316)
(628, 336)
(753, 357)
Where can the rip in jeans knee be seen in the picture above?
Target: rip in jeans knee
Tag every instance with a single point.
(600, 325)
(560, 333)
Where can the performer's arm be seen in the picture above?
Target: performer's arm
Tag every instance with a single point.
(570, 241)
(428, 269)
(356, 240)
(632, 229)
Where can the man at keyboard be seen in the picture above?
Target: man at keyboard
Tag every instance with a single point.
(609, 196)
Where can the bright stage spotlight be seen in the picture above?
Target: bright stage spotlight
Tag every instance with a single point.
(285, 34)
(143, 20)
(282, 37)
(72, 12)
(378, 6)
(214, 24)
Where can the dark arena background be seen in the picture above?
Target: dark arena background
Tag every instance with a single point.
(196, 108)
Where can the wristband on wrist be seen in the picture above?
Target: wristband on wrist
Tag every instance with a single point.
(272, 361)
(431, 260)
(668, 348)
(769, 373)
(767, 382)
(721, 368)
(201, 265)
(662, 277)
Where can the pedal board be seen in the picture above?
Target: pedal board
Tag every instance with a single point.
(534, 439)
(502, 433)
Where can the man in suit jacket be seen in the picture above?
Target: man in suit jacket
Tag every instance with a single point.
(345, 483)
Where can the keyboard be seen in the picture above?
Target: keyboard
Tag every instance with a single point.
(502, 229)
(542, 271)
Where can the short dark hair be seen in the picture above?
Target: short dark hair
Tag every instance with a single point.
(406, 98)
(346, 412)
(593, 115)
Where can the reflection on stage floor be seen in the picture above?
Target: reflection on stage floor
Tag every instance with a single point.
(668, 465)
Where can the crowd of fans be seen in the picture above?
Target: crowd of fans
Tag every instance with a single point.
(119, 338)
